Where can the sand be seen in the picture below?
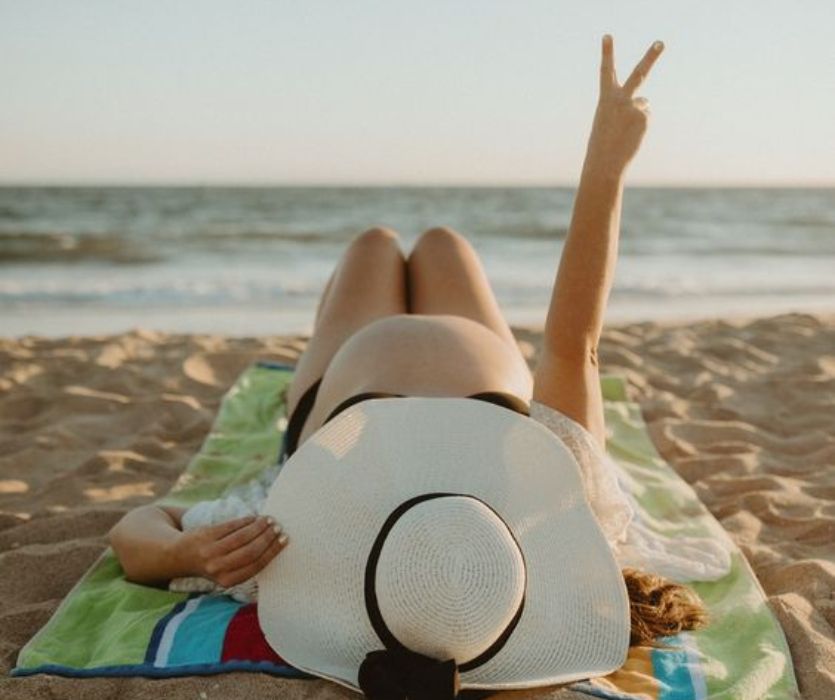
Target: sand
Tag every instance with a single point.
(743, 409)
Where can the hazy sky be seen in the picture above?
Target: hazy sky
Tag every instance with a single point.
(429, 91)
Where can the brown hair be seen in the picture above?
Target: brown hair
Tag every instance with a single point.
(660, 608)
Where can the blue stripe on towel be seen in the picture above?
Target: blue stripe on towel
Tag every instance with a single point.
(198, 637)
(671, 668)
(156, 672)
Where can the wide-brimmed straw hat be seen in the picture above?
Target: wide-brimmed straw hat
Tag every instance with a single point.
(438, 543)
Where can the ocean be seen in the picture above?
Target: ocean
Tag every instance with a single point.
(253, 261)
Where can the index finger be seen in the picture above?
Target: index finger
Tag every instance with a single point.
(607, 63)
(638, 75)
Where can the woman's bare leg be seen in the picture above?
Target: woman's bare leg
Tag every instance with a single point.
(369, 282)
(446, 276)
(324, 298)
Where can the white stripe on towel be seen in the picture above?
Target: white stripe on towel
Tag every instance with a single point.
(174, 623)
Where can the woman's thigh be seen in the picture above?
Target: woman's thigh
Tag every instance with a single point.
(446, 276)
(369, 282)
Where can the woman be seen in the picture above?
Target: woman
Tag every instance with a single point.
(429, 325)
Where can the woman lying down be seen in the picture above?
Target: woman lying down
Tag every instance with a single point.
(441, 518)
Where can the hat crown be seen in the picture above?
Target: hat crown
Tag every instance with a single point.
(450, 578)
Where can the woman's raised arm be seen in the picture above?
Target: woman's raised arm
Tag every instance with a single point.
(567, 378)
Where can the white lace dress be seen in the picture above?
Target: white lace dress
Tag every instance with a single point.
(633, 544)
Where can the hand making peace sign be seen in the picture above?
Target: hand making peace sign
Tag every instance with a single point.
(620, 120)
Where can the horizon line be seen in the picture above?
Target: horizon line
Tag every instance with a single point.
(221, 184)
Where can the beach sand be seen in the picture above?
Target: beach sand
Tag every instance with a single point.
(743, 409)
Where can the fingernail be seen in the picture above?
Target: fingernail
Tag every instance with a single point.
(276, 528)
(658, 45)
(282, 540)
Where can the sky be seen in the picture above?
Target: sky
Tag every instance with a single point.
(395, 92)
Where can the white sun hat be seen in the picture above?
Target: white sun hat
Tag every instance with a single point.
(440, 540)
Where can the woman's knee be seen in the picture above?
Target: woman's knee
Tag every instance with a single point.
(440, 241)
(378, 247)
(376, 238)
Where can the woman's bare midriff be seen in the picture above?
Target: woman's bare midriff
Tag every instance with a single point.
(421, 355)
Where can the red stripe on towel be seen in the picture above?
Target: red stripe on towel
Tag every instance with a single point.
(244, 640)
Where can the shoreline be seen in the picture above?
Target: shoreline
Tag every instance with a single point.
(251, 322)
(741, 406)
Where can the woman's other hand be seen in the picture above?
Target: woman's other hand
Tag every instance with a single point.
(229, 553)
(621, 119)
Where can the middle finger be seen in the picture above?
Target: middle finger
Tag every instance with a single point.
(240, 537)
(633, 82)
(248, 571)
(244, 555)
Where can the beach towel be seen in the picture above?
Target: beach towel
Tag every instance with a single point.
(107, 626)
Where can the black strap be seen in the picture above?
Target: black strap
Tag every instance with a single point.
(503, 399)
(296, 421)
(356, 398)
(407, 675)
(398, 674)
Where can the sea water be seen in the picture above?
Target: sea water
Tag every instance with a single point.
(252, 261)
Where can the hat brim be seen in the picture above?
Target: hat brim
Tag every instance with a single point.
(333, 495)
